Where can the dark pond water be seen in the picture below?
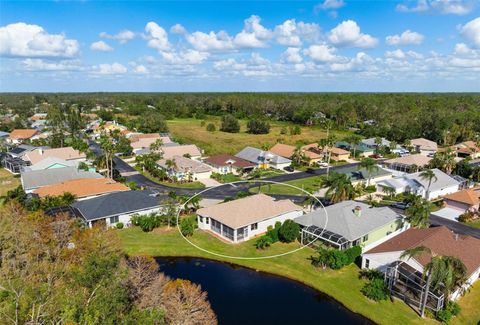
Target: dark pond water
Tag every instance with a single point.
(242, 296)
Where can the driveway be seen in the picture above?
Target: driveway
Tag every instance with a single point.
(456, 227)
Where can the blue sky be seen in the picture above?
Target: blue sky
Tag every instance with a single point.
(329, 45)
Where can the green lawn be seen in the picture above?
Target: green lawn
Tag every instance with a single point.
(228, 178)
(475, 224)
(310, 184)
(191, 131)
(343, 285)
(8, 181)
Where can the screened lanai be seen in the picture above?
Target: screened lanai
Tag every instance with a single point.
(312, 233)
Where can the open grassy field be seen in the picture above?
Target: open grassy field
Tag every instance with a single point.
(310, 184)
(7, 181)
(343, 285)
(191, 131)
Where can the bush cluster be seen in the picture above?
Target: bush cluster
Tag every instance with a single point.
(452, 309)
(258, 127)
(336, 259)
(230, 124)
(375, 290)
(286, 233)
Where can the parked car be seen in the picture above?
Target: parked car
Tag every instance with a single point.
(376, 156)
(322, 164)
(289, 169)
(400, 205)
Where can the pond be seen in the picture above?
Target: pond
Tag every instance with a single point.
(240, 295)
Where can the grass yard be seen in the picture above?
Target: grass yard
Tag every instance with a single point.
(310, 184)
(343, 285)
(474, 224)
(191, 131)
(8, 181)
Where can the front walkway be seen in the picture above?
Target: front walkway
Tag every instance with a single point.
(209, 182)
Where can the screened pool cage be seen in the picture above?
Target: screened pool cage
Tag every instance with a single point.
(407, 284)
(310, 235)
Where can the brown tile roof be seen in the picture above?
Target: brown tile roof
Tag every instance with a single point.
(286, 151)
(21, 134)
(66, 153)
(440, 240)
(466, 147)
(417, 159)
(468, 196)
(227, 160)
(248, 210)
(82, 187)
(424, 144)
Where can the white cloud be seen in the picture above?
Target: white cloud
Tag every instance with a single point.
(185, 57)
(122, 37)
(455, 7)
(321, 53)
(471, 31)
(253, 35)
(347, 34)
(101, 46)
(359, 63)
(178, 29)
(406, 38)
(140, 69)
(399, 54)
(212, 41)
(109, 69)
(292, 55)
(42, 65)
(24, 40)
(291, 33)
(329, 4)
(157, 37)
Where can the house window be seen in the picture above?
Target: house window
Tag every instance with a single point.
(367, 263)
(207, 221)
(114, 219)
(365, 238)
(200, 218)
(254, 226)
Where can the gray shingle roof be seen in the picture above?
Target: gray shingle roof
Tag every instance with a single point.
(118, 203)
(343, 221)
(38, 178)
(259, 156)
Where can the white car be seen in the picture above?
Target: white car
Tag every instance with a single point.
(322, 164)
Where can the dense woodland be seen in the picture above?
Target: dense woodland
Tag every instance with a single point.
(445, 118)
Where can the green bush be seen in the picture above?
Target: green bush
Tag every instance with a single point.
(375, 290)
(146, 222)
(211, 127)
(338, 259)
(454, 308)
(258, 127)
(119, 225)
(352, 253)
(370, 274)
(272, 232)
(263, 242)
(230, 124)
(187, 226)
(371, 189)
(289, 231)
(296, 130)
(444, 315)
(202, 123)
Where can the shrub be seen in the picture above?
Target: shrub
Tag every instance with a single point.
(283, 130)
(272, 232)
(211, 127)
(263, 242)
(187, 226)
(258, 127)
(375, 290)
(338, 259)
(146, 222)
(370, 274)
(453, 307)
(202, 123)
(444, 315)
(230, 124)
(119, 225)
(371, 189)
(289, 231)
(352, 253)
(296, 130)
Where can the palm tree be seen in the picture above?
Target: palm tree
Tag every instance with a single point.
(370, 166)
(429, 176)
(354, 140)
(299, 157)
(156, 145)
(419, 212)
(340, 188)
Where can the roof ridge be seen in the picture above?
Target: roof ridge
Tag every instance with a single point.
(430, 232)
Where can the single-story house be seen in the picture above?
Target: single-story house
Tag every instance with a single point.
(12, 160)
(409, 164)
(360, 149)
(4, 135)
(337, 154)
(351, 223)
(263, 159)
(19, 135)
(140, 141)
(228, 164)
(287, 151)
(34, 179)
(185, 168)
(117, 207)
(371, 143)
(440, 240)
(474, 162)
(190, 150)
(424, 146)
(242, 219)
(361, 175)
(65, 153)
(52, 163)
(467, 149)
(38, 117)
(413, 183)
(464, 200)
(83, 188)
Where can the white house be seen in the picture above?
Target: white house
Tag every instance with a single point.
(263, 159)
(441, 185)
(185, 168)
(242, 219)
(440, 241)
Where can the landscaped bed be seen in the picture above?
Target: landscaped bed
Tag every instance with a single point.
(343, 285)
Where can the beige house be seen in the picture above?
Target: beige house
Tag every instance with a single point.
(287, 151)
(142, 141)
(424, 146)
(185, 169)
(65, 153)
(467, 149)
(409, 164)
(191, 150)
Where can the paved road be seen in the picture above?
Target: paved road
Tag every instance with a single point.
(456, 227)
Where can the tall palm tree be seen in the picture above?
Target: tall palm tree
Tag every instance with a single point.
(299, 157)
(353, 141)
(429, 176)
(370, 166)
(419, 212)
(340, 188)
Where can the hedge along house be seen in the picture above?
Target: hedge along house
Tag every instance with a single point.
(239, 220)
(351, 223)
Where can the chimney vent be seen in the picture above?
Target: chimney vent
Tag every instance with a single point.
(358, 211)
